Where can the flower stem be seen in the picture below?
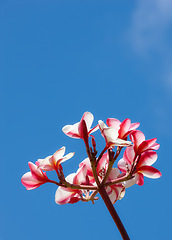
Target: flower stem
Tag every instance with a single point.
(113, 212)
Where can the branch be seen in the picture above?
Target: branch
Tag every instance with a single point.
(113, 213)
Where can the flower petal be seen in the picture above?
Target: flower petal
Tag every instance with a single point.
(130, 182)
(80, 177)
(133, 126)
(36, 172)
(62, 196)
(113, 122)
(122, 143)
(114, 173)
(103, 163)
(137, 137)
(71, 130)
(59, 154)
(139, 178)
(146, 145)
(124, 127)
(122, 165)
(147, 158)
(149, 171)
(129, 155)
(29, 182)
(115, 192)
(68, 156)
(88, 117)
(44, 164)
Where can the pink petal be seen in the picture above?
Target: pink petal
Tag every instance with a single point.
(130, 182)
(29, 182)
(103, 163)
(137, 137)
(122, 165)
(147, 158)
(62, 196)
(139, 178)
(88, 165)
(68, 156)
(59, 154)
(75, 199)
(112, 122)
(129, 155)
(133, 126)
(124, 127)
(71, 130)
(36, 172)
(121, 142)
(83, 132)
(88, 117)
(44, 164)
(145, 145)
(114, 173)
(80, 177)
(110, 134)
(149, 171)
(155, 146)
(115, 193)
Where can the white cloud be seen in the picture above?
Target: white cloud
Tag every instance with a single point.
(150, 35)
(150, 25)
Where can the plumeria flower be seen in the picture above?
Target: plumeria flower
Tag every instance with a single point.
(111, 136)
(115, 191)
(81, 129)
(141, 165)
(67, 195)
(34, 178)
(142, 145)
(53, 162)
(124, 128)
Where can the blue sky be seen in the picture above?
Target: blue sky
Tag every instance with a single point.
(59, 59)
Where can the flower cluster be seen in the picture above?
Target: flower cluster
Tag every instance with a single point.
(98, 171)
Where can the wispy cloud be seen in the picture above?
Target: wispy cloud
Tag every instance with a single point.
(150, 26)
(150, 36)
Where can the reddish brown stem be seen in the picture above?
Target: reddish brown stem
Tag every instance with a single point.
(113, 213)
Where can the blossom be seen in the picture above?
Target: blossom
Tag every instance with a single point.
(140, 165)
(81, 129)
(68, 195)
(34, 178)
(115, 191)
(111, 136)
(124, 128)
(53, 162)
(142, 145)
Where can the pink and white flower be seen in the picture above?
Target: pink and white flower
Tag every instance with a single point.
(142, 145)
(111, 136)
(124, 128)
(81, 129)
(35, 178)
(53, 162)
(68, 195)
(139, 164)
(115, 191)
